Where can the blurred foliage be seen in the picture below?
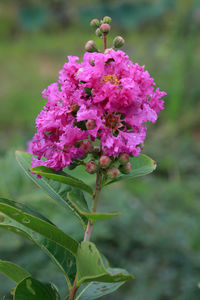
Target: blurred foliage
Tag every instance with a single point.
(156, 237)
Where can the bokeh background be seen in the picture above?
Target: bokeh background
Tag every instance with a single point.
(157, 235)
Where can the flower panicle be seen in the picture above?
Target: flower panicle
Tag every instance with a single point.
(96, 113)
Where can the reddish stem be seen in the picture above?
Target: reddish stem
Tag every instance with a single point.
(105, 42)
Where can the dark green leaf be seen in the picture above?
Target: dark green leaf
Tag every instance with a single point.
(62, 177)
(90, 266)
(56, 190)
(141, 165)
(25, 216)
(94, 290)
(59, 255)
(13, 271)
(32, 289)
(78, 200)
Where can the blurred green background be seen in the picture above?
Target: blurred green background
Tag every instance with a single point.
(157, 235)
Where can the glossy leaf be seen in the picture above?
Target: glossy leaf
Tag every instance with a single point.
(94, 290)
(32, 289)
(90, 266)
(28, 218)
(63, 177)
(59, 255)
(54, 189)
(141, 165)
(78, 200)
(13, 271)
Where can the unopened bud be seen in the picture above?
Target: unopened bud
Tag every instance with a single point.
(126, 169)
(95, 23)
(91, 167)
(90, 46)
(105, 28)
(98, 32)
(113, 172)
(86, 146)
(124, 158)
(118, 42)
(107, 20)
(90, 124)
(104, 161)
(108, 50)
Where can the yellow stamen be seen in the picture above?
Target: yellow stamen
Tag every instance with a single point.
(112, 79)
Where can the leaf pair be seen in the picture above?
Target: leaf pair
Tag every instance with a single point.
(91, 267)
(94, 276)
(27, 287)
(67, 189)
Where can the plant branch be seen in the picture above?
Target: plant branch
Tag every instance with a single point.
(89, 229)
(105, 42)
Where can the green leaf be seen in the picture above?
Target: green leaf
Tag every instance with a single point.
(28, 218)
(141, 165)
(78, 200)
(56, 190)
(94, 290)
(32, 289)
(59, 255)
(91, 267)
(13, 271)
(99, 215)
(63, 177)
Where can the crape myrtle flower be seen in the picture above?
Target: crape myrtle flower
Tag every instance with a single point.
(106, 97)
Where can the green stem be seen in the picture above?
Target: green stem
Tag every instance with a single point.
(89, 229)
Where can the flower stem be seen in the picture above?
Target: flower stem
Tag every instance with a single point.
(105, 42)
(90, 225)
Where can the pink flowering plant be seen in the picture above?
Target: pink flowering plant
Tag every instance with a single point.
(94, 119)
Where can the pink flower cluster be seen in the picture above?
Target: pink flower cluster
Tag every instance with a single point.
(106, 98)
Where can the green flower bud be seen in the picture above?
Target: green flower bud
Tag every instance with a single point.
(107, 20)
(126, 169)
(91, 46)
(118, 42)
(124, 158)
(113, 172)
(91, 167)
(104, 161)
(95, 23)
(98, 32)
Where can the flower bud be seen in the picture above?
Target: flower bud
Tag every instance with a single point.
(124, 158)
(105, 28)
(95, 23)
(86, 146)
(90, 124)
(90, 46)
(91, 167)
(113, 172)
(107, 20)
(98, 32)
(104, 161)
(126, 169)
(118, 42)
